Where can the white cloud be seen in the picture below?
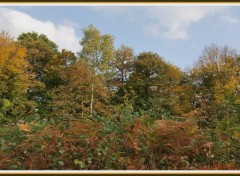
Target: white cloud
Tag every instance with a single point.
(229, 19)
(169, 22)
(16, 22)
(174, 22)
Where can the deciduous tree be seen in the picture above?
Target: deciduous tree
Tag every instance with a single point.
(15, 80)
(73, 98)
(98, 53)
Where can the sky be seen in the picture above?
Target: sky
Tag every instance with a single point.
(177, 32)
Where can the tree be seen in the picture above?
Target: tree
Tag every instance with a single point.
(184, 94)
(73, 98)
(123, 64)
(98, 53)
(146, 77)
(177, 91)
(216, 85)
(157, 85)
(40, 50)
(56, 66)
(40, 53)
(216, 80)
(98, 50)
(15, 80)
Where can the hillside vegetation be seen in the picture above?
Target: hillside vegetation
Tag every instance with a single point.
(110, 109)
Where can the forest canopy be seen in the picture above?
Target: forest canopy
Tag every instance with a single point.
(107, 108)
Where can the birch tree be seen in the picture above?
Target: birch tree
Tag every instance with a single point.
(98, 52)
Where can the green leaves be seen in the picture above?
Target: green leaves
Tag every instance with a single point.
(80, 163)
(40, 50)
(55, 111)
(5, 104)
(61, 151)
(155, 83)
(98, 50)
(61, 163)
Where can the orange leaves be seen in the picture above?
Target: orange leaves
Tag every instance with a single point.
(219, 166)
(132, 144)
(168, 126)
(174, 133)
(24, 127)
(164, 144)
(59, 143)
(176, 141)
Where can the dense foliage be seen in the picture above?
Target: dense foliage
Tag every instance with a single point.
(108, 108)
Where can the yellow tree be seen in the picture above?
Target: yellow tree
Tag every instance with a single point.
(216, 80)
(15, 79)
(178, 90)
(216, 83)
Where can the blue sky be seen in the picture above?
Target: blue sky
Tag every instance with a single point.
(178, 33)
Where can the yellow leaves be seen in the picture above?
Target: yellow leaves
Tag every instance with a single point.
(216, 72)
(237, 101)
(174, 73)
(12, 57)
(24, 127)
(237, 135)
(14, 70)
(229, 89)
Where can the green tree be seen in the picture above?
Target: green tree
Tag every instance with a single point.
(56, 66)
(40, 50)
(41, 53)
(98, 50)
(98, 53)
(145, 79)
(156, 84)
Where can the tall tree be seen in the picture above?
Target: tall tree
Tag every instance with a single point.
(40, 50)
(15, 80)
(156, 84)
(215, 78)
(98, 52)
(145, 79)
(216, 84)
(123, 66)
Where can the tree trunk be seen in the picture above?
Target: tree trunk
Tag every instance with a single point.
(91, 105)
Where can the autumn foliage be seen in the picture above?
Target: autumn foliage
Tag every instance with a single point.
(108, 109)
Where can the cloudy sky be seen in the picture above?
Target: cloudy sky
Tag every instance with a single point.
(178, 33)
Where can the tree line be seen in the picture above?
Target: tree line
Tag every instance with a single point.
(106, 108)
